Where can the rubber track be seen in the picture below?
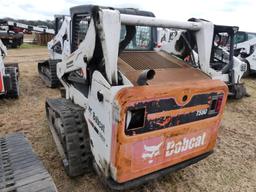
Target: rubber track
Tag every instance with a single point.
(20, 168)
(14, 92)
(76, 144)
(15, 65)
(47, 72)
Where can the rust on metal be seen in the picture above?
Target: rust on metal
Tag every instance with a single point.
(177, 112)
(168, 68)
(147, 60)
(131, 154)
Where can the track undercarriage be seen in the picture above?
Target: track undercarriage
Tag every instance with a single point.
(47, 72)
(70, 133)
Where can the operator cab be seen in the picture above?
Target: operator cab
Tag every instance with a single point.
(143, 39)
(223, 47)
(136, 52)
(81, 16)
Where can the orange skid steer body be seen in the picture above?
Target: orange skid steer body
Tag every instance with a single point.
(161, 126)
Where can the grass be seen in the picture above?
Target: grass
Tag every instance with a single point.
(29, 46)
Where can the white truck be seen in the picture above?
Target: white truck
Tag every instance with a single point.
(58, 48)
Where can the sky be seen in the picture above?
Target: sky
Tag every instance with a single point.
(223, 12)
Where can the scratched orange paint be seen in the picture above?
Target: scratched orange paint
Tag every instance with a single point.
(176, 112)
(142, 159)
(127, 151)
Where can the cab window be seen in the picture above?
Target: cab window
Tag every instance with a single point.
(142, 40)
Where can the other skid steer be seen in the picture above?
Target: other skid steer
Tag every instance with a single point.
(132, 112)
(59, 48)
(9, 74)
(245, 49)
(222, 65)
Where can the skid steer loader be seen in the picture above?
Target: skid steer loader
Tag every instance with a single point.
(9, 85)
(59, 48)
(132, 112)
(223, 64)
(245, 49)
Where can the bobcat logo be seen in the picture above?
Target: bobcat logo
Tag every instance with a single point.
(151, 151)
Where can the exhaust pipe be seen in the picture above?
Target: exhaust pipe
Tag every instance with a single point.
(145, 76)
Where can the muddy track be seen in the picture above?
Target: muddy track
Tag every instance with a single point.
(231, 168)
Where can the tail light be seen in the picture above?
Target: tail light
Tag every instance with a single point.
(219, 102)
(216, 103)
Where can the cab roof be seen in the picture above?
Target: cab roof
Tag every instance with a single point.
(224, 28)
(88, 9)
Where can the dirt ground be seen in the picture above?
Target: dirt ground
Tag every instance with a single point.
(231, 168)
